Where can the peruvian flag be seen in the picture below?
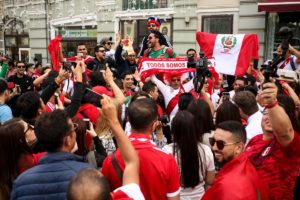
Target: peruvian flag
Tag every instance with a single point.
(232, 53)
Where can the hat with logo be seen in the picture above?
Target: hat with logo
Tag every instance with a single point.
(154, 20)
(105, 40)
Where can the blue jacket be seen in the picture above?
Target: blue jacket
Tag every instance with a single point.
(50, 178)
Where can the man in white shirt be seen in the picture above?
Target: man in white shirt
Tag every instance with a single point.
(292, 58)
(249, 111)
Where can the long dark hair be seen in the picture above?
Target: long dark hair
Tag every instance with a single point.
(12, 146)
(81, 136)
(227, 111)
(186, 148)
(203, 117)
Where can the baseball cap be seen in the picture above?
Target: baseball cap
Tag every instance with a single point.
(105, 40)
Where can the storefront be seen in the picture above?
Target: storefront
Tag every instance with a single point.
(16, 40)
(280, 13)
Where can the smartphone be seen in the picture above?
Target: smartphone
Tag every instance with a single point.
(92, 97)
(225, 96)
(68, 65)
(87, 123)
(18, 89)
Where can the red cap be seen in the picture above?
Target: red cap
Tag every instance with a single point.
(103, 90)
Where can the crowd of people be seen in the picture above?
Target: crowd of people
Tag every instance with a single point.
(97, 129)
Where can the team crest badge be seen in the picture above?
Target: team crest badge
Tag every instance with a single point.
(228, 42)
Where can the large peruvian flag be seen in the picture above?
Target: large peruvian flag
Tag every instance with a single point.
(232, 53)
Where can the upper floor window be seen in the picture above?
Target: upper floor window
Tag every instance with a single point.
(144, 4)
(222, 24)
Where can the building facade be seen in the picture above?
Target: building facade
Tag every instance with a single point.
(27, 26)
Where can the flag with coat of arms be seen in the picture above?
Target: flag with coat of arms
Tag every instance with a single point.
(232, 53)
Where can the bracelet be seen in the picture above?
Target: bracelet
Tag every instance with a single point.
(271, 105)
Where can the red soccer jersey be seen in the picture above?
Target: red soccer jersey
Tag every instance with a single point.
(237, 180)
(277, 166)
(128, 192)
(159, 175)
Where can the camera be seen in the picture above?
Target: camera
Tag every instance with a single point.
(201, 66)
(68, 65)
(286, 34)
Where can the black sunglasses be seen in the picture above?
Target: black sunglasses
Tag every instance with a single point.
(21, 66)
(220, 143)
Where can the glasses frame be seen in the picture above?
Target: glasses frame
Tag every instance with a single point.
(220, 143)
(29, 127)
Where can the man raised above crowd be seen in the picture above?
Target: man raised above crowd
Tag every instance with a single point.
(157, 47)
(153, 24)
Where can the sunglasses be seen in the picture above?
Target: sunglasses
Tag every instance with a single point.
(151, 25)
(109, 43)
(21, 66)
(220, 144)
(150, 38)
(102, 51)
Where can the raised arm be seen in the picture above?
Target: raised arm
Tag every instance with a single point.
(280, 122)
(128, 153)
(119, 96)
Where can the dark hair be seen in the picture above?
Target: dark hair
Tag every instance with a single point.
(38, 64)
(186, 148)
(29, 65)
(12, 146)
(246, 101)
(3, 85)
(227, 111)
(97, 78)
(203, 117)
(184, 100)
(88, 182)
(128, 72)
(249, 88)
(289, 107)
(51, 128)
(96, 48)
(141, 113)
(28, 104)
(19, 61)
(161, 38)
(190, 50)
(242, 78)
(81, 136)
(138, 95)
(148, 87)
(251, 79)
(236, 128)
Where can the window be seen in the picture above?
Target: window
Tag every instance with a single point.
(222, 24)
(144, 4)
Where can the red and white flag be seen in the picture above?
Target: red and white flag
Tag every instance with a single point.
(232, 53)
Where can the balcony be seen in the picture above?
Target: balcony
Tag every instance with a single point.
(144, 4)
